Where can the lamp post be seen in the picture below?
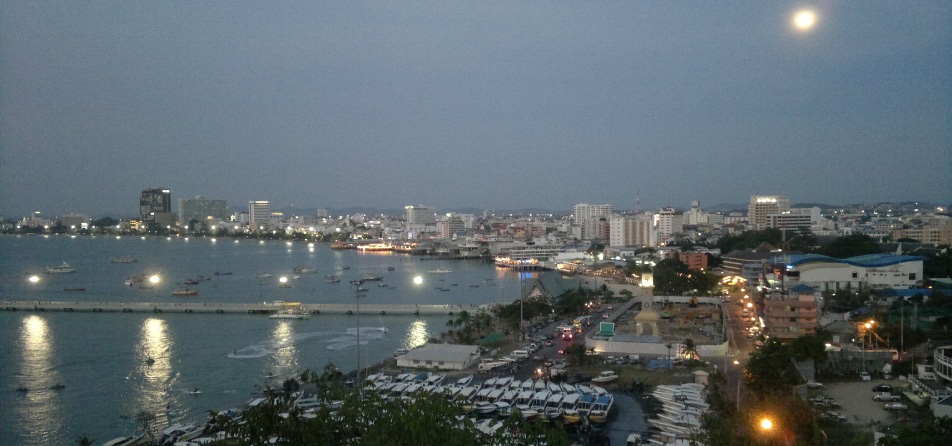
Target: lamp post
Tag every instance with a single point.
(357, 284)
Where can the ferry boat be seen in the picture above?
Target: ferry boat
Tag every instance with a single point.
(290, 314)
(184, 292)
(440, 271)
(64, 268)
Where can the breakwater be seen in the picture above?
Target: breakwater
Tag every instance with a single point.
(236, 308)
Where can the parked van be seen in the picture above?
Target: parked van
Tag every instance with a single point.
(520, 354)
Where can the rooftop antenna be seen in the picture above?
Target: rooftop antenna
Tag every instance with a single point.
(637, 201)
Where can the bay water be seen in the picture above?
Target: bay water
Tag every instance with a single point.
(102, 359)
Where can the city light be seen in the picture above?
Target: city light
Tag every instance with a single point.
(34, 279)
(766, 424)
(804, 20)
(418, 280)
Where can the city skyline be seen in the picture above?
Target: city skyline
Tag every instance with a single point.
(490, 105)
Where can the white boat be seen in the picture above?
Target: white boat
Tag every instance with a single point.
(290, 314)
(371, 278)
(485, 408)
(464, 381)
(264, 275)
(124, 259)
(605, 377)
(440, 271)
(64, 268)
(601, 408)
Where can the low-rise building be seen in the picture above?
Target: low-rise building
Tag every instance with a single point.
(792, 314)
(873, 271)
(440, 356)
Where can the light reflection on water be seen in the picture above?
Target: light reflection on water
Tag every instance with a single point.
(155, 377)
(416, 335)
(285, 353)
(40, 413)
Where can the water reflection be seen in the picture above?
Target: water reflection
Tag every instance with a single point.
(40, 411)
(285, 352)
(416, 335)
(154, 351)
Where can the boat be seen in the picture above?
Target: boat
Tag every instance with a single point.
(123, 441)
(195, 391)
(605, 377)
(184, 292)
(264, 275)
(382, 285)
(124, 259)
(371, 278)
(150, 361)
(74, 289)
(58, 386)
(191, 282)
(440, 271)
(601, 408)
(63, 268)
(290, 314)
(223, 273)
(331, 278)
(390, 268)
(304, 269)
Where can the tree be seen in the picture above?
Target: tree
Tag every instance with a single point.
(851, 246)
(370, 419)
(689, 349)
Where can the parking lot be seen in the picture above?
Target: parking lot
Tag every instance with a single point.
(855, 400)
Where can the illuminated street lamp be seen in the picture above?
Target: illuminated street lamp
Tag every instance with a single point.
(154, 279)
(766, 424)
(34, 279)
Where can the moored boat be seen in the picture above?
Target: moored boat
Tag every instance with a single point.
(440, 271)
(124, 259)
(60, 269)
(184, 292)
(290, 314)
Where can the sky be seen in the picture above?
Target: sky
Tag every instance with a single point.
(492, 105)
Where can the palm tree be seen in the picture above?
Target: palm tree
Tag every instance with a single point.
(688, 349)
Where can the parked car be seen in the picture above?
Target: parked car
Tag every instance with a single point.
(883, 388)
(885, 397)
(895, 406)
(835, 416)
(814, 385)
(864, 376)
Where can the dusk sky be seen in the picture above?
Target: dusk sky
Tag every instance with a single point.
(494, 105)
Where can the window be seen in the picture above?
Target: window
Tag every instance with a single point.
(855, 274)
(793, 319)
(912, 276)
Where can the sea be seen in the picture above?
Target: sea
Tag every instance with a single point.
(200, 362)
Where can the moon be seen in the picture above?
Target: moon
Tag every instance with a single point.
(804, 20)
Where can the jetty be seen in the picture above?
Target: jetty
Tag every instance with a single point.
(267, 308)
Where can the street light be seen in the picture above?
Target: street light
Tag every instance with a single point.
(357, 284)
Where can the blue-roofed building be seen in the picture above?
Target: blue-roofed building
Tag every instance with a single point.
(867, 271)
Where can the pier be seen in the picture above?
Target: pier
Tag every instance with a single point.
(232, 308)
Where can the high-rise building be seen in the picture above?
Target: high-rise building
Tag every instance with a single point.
(630, 231)
(796, 218)
(420, 215)
(259, 213)
(669, 222)
(201, 209)
(761, 206)
(154, 201)
(586, 216)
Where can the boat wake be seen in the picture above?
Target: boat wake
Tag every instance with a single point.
(335, 340)
(349, 339)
